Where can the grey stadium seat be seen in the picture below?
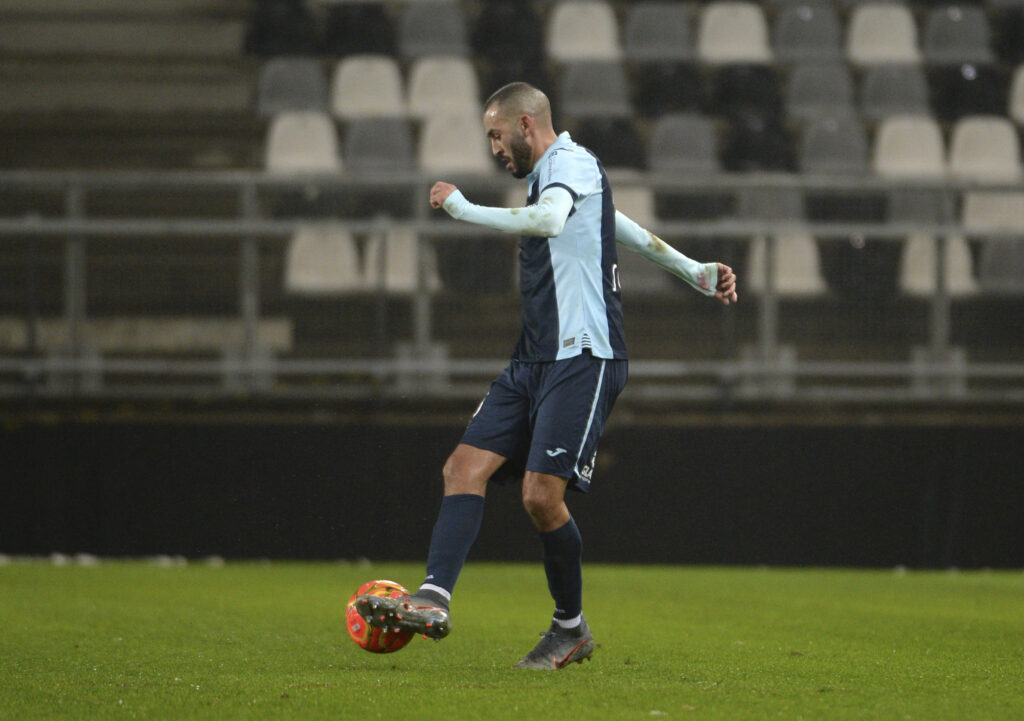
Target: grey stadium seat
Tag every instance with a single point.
(595, 89)
(957, 34)
(659, 31)
(432, 28)
(834, 145)
(379, 144)
(684, 142)
(807, 31)
(894, 90)
(291, 83)
(817, 89)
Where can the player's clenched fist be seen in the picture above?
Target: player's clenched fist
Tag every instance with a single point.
(725, 290)
(439, 193)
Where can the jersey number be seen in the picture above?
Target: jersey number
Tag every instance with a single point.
(616, 283)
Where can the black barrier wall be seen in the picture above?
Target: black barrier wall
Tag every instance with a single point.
(864, 496)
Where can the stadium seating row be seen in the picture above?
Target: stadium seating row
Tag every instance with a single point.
(721, 31)
(372, 86)
(324, 259)
(981, 147)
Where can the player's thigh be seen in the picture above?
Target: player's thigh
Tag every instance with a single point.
(468, 469)
(571, 418)
(501, 425)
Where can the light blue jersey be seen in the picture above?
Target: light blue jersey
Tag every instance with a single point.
(569, 284)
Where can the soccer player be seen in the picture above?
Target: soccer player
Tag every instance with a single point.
(542, 418)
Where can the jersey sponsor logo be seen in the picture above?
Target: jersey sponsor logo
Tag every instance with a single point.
(556, 452)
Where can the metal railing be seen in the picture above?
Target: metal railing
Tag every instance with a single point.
(762, 369)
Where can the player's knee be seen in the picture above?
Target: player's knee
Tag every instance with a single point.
(543, 506)
(461, 477)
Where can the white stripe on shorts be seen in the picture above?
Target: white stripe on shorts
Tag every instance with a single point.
(590, 420)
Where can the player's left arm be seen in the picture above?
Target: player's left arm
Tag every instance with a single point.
(715, 279)
(545, 219)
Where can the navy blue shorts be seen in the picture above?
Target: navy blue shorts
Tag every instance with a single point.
(548, 417)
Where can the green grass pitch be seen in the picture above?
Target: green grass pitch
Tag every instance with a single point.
(126, 640)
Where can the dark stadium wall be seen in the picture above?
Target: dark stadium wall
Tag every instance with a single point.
(852, 496)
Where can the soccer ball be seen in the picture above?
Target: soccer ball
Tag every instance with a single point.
(371, 638)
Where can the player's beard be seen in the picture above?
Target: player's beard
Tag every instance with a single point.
(521, 156)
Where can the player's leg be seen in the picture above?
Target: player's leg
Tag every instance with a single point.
(466, 473)
(569, 639)
(578, 398)
(497, 432)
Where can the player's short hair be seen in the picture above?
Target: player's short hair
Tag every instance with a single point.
(519, 98)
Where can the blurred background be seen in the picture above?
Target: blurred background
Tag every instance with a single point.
(230, 323)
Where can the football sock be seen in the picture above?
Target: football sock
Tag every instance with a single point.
(563, 564)
(458, 523)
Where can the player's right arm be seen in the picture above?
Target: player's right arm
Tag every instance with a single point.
(715, 279)
(544, 219)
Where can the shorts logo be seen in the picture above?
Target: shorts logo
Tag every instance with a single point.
(556, 452)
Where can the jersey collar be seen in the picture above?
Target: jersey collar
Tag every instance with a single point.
(561, 141)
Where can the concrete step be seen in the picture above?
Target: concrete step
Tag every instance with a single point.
(147, 38)
(123, 8)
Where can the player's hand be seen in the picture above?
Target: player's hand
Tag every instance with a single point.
(725, 291)
(439, 193)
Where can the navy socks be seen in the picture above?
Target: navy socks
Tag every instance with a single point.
(563, 559)
(457, 526)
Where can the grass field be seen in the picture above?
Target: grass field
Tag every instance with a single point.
(267, 641)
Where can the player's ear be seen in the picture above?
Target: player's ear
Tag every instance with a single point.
(525, 123)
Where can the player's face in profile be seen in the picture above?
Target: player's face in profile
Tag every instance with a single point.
(508, 145)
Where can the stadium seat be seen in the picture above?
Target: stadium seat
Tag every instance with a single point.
(743, 88)
(379, 145)
(756, 141)
(358, 28)
(443, 85)
(583, 30)
(432, 28)
(968, 89)
(908, 146)
(322, 259)
(504, 38)
(1015, 101)
(683, 143)
(302, 141)
(454, 144)
(614, 140)
(282, 28)
(1001, 266)
(392, 262)
(985, 148)
(881, 32)
(367, 86)
(818, 89)
(667, 87)
(375, 146)
(686, 144)
(807, 31)
(893, 90)
(291, 83)
(639, 275)
(658, 31)
(956, 34)
(796, 266)
(917, 267)
(592, 89)
(733, 31)
(836, 144)
(1006, 20)
(1001, 261)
